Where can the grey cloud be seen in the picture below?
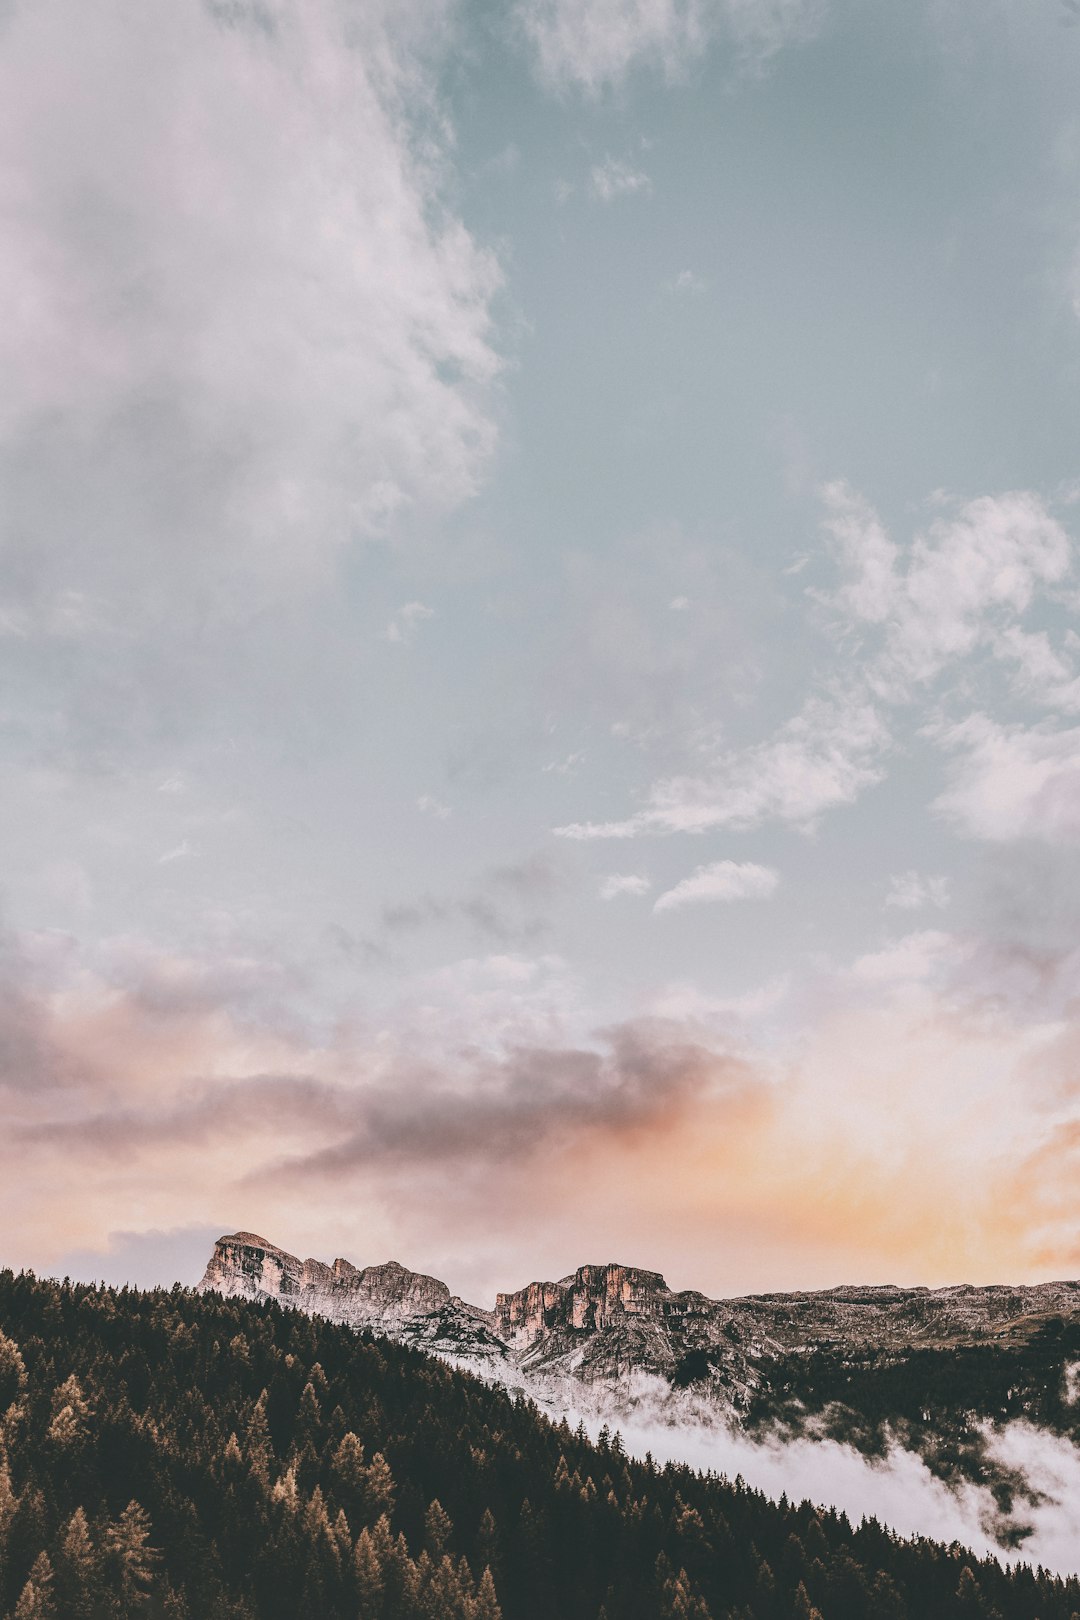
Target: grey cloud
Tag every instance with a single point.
(473, 1109)
(509, 919)
(527, 1103)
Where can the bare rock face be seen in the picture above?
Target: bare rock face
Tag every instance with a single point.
(378, 1297)
(610, 1337)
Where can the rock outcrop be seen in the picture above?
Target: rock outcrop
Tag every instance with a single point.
(609, 1336)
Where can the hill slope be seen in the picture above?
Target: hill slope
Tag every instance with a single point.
(177, 1455)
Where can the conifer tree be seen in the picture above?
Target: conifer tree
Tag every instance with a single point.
(36, 1598)
(130, 1557)
(804, 1609)
(438, 1530)
(12, 1372)
(486, 1603)
(70, 1414)
(77, 1570)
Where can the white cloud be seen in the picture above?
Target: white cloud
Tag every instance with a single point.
(593, 43)
(685, 282)
(179, 853)
(613, 178)
(910, 891)
(912, 959)
(968, 578)
(721, 881)
(564, 767)
(821, 758)
(402, 627)
(865, 554)
(617, 883)
(1012, 781)
(429, 805)
(242, 326)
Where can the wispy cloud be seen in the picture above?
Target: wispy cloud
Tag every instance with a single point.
(594, 43)
(910, 891)
(721, 881)
(613, 178)
(617, 883)
(403, 626)
(825, 756)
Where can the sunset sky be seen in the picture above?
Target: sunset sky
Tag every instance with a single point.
(540, 619)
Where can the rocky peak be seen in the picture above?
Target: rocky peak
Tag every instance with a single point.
(591, 1299)
(376, 1296)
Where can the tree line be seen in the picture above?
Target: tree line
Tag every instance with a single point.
(188, 1457)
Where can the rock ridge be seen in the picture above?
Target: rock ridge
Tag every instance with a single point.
(605, 1335)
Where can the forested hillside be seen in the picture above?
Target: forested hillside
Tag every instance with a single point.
(179, 1456)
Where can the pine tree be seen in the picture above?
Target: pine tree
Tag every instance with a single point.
(77, 1570)
(130, 1556)
(379, 1490)
(486, 1603)
(438, 1530)
(70, 1414)
(12, 1372)
(803, 1608)
(487, 1543)
(368, 1575)
(36, 1598)
(9, 1502)
(259, 1446)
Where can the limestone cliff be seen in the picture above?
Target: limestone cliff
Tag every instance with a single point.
(610, 1336)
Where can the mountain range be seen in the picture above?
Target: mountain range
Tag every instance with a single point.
(932, 1369)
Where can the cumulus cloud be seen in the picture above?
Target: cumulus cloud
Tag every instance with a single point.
(721, 881)
(595, 43)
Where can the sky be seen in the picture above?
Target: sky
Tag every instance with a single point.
(540, 637)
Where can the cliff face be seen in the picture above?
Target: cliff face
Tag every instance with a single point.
(605, 1334)
(378, 1297)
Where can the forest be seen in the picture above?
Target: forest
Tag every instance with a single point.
(189, 1457)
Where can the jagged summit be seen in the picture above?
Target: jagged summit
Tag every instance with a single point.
(604, 1334)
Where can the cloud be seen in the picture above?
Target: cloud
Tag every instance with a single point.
(429, 805)
(617, 883)
(910, 891)
(1010, 782)
(821, 758)
(897, 1489)
(402, 627)
(721, 881)
(900, 619)
(613, 178)
(914, 1118)
(864, 552)
(246, 328)
(966, 580)
(909, 960)
(687, 281)
(595, 43)
(500, 905)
